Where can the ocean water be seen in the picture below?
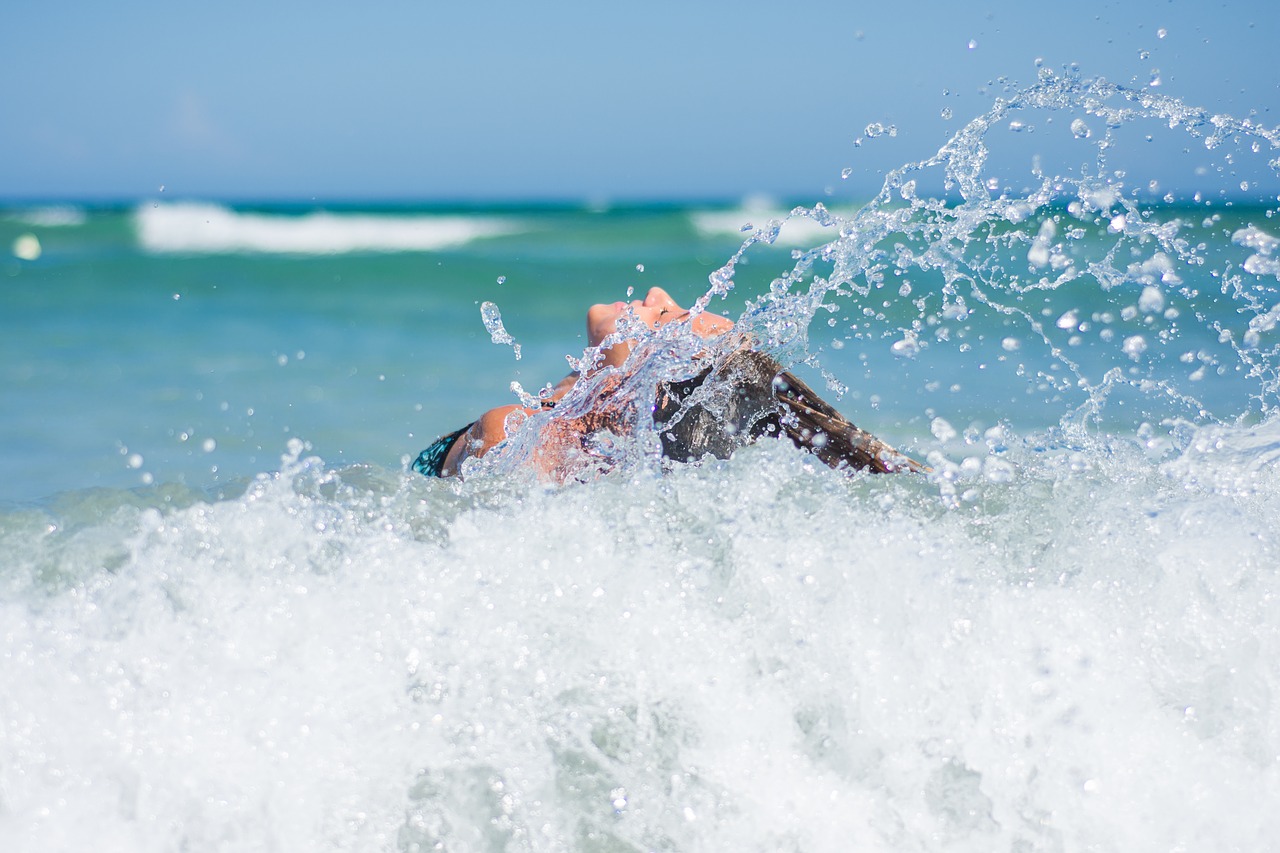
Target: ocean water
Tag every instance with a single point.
(230, 618)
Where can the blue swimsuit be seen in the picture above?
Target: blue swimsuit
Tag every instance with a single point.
(430, 462)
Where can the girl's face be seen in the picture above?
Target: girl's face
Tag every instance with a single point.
(656, 309)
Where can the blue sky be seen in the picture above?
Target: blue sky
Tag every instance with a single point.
(598, 101)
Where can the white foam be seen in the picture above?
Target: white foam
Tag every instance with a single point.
(753, 655)
(53, 216)
(212, 229)
(758, 214)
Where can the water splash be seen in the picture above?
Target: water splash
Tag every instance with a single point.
(994, 258)
(759, 654)
(497, 332)
(1129, 311)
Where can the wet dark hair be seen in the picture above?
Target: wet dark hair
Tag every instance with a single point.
(750, 396)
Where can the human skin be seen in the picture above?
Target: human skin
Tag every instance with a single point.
(655, 310)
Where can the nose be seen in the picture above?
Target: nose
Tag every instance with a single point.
(659, 298)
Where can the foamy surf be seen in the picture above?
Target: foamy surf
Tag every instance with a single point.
(51, 216)
(1062, 638)
(759, 214)
(213, 229)
(757, 654)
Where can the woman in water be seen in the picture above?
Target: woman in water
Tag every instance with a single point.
(733, 401)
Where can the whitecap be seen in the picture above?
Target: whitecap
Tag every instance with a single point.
(200, 228)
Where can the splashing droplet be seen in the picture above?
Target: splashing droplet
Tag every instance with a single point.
(1135, 346)
(942, 429)
(497, 332)
(908, 347)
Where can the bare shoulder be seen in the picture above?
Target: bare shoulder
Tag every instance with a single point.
(489, 430)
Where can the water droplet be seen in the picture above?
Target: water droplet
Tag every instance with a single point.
(209, 445)
(973, 44)
(1144, 54)
(908, 347)
(845, 173)
(873, 130)
(493, 323)
(946, 113)
(1079, 129)
(1151, 301)
(502, 279)
(639, 267)
(1161, 33)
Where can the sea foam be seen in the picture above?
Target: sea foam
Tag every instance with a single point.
(213, 229)
(757, 654)
(1059, 639)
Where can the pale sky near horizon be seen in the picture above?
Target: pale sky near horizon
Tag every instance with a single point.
(397, 99)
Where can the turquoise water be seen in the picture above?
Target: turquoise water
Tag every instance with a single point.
(127, 364)
(230, 619)
(112, 349)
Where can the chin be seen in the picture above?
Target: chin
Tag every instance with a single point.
(602, 321)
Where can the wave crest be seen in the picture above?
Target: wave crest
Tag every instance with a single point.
(199, 228)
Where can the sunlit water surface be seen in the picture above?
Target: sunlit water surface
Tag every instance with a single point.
(1064, 638)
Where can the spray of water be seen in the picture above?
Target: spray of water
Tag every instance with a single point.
(1072, 650)
(1133, 307)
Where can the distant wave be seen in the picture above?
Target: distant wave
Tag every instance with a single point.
(212, 229)
(52, 216)
(756, 213)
